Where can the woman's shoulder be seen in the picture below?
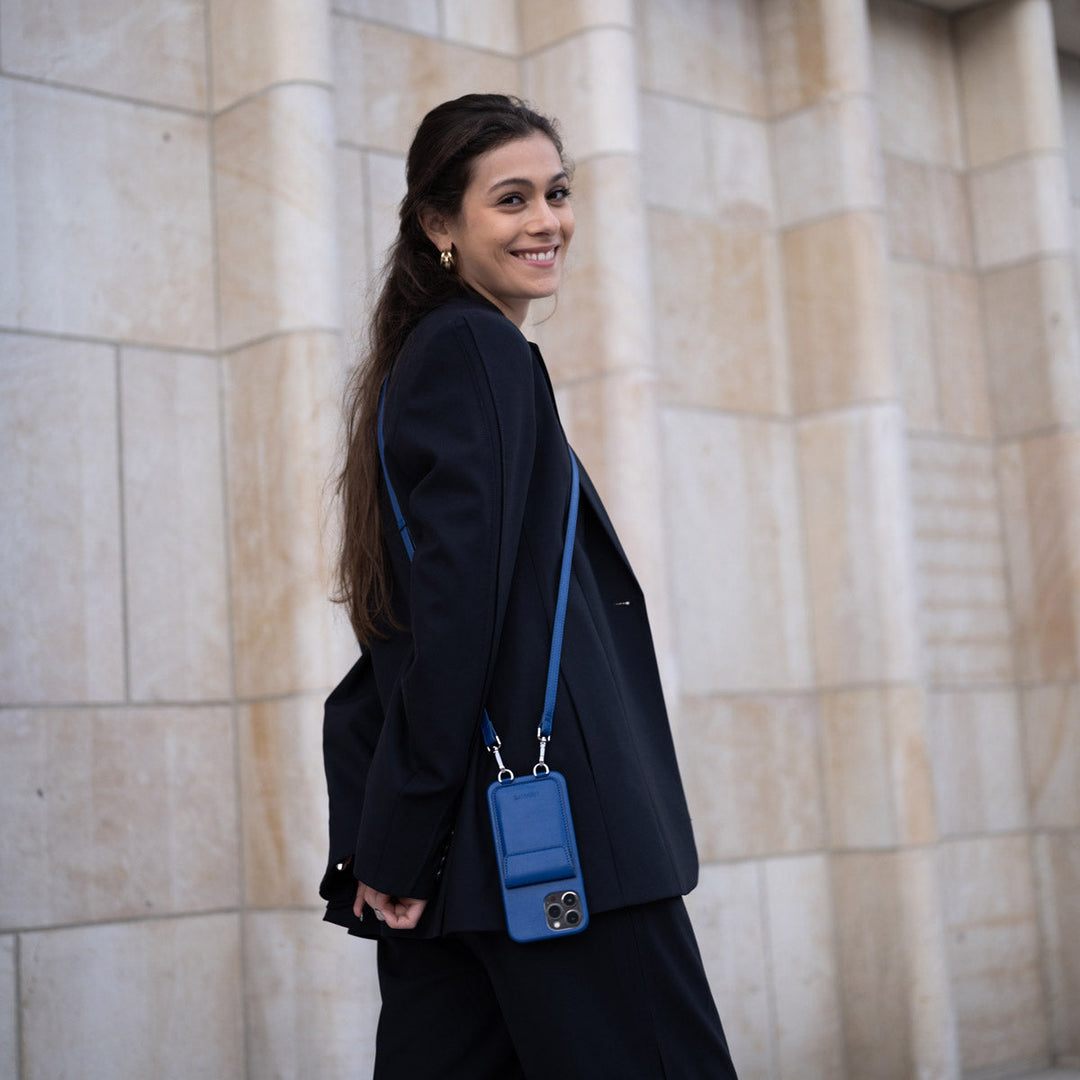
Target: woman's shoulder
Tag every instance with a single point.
(470, 323)
(462, 357)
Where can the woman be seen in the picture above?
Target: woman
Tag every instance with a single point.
(478, 460)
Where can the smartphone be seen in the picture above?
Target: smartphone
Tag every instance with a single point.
(539, 870)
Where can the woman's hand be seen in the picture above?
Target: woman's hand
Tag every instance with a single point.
(399, 913)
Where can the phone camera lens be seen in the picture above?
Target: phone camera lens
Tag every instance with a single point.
(554, 911)
(570, 899)
(573, 918)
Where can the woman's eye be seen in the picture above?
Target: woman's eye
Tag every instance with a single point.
(559, 195)
(510, 200)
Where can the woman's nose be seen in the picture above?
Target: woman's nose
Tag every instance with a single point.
(544, 219)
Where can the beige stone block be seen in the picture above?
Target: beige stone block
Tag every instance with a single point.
(740, 594)
(1040, 497)
(117, 813)
(675, 150)
(814, 49)
(488, 24)
(352, 226)
(915, 83)
(544, 22)
(826, 160)
(964, 611)
(1020, 210)
(281, 421)
(10, 183)
(369, 60)
(994, 951)
(938, 346)
(276, 227)
(586, 82)
(283, 790)
(729, 921)
(878, 787)
(1050, 722)
(1009, 92)
(798, 905)
(62, 634)
(386, 189)
(895, 993)
(1032, 346)
(602, 316)
(421, 16)
(113, 207)
(133, 1000)
(174, 527)
(959, 353)
(153, 51)
(718, 316)
(913, 344)
(1069, 72)
(1057, 868)
(312, 997)
(857, 518)
(835, 285)
(705, 52)
(255, 44)
(742, 171)
(9, 1023)
(927, 213)
(749, 765)
(1076, 240)
(975, 746)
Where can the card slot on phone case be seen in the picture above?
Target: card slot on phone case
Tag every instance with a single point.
(529, 867)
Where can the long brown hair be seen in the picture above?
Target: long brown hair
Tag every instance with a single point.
(437, 172)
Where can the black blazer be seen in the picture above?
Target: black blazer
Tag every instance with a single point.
(479, 462)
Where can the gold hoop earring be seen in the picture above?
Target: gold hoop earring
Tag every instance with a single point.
(446, 259)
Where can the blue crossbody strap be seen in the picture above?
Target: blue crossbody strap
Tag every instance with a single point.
(543, 731)
(399, 517)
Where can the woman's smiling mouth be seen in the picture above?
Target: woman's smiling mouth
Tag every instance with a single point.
(543, 258)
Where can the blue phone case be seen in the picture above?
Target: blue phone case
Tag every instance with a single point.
(539, 871)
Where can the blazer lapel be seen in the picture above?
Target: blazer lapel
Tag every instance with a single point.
(597, 507)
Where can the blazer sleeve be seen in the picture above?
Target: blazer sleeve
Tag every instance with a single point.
(461, 436)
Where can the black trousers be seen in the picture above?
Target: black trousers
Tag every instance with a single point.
(627, 999)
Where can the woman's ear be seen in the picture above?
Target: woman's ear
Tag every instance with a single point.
(435, 228)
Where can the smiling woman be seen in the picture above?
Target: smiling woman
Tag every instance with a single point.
(510, 238)
(451, 587)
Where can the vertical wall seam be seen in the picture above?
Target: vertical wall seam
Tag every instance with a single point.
(20, 1036)
(125, 616)
(771, 1006)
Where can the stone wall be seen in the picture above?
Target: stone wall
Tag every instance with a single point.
(818, 346)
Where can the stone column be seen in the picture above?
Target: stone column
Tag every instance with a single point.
(1021, 217)
(279, 331)
(852, 450)
(579, 63)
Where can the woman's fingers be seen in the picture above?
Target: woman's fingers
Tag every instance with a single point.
(398, 913)
(375, 900)
(404, 913)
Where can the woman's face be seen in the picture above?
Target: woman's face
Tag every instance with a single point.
(515, 225)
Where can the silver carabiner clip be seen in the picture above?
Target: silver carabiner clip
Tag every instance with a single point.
(541, 767)
(505, 774)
